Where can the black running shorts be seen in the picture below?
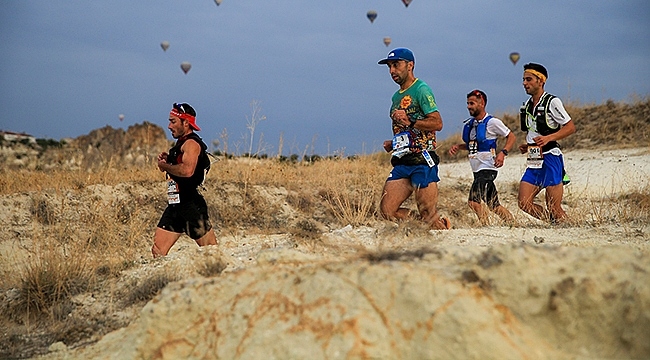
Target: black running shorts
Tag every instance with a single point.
(483, 188)
(189, 217)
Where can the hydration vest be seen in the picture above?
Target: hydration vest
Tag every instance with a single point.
(189, 184)
(483, 144)
(539, 115)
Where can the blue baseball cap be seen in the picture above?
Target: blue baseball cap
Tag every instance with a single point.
(398, 54)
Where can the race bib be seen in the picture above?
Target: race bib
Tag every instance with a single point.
(472, 147)
(535, 157)
(173, 196)
(401, 144)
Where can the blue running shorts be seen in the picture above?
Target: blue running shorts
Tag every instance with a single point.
(550, 174)
(421, 175)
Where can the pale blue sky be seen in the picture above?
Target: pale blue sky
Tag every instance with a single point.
(69, 67)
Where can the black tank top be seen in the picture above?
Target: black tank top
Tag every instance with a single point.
(189, 184)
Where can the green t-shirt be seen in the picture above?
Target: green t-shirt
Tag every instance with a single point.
(418, 101)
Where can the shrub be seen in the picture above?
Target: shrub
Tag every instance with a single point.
(47, 281)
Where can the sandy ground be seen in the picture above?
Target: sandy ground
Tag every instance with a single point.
(593, 173)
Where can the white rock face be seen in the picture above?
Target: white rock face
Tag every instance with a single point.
(507, 302)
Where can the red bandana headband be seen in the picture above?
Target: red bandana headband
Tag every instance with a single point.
(191, 119)
(180, 115)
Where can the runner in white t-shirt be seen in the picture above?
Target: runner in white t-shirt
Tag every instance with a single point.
(545, 121)
(480, 135)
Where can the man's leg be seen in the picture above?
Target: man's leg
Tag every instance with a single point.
(208, 239)
(504, 214)
(163, 241)
(480, 211)
(395, 192)
(476, 193)
(527, 193)
(427, 200)
(554, 202)
(492, 201)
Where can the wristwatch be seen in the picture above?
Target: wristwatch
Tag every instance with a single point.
(505, 152)
(412, 124)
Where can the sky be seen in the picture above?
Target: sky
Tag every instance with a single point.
(69, 67)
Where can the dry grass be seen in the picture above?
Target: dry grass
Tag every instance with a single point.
(48, 279)
(18, 180)
(631, 209)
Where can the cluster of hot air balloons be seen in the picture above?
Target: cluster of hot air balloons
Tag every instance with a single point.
(185, 65)
(372, 15)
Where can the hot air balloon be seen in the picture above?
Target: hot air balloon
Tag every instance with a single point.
(185, 66)
(387, 41)
(406, 2)
(372, 15)
(218, 2)
(121, 116)
(514, 57)
(164, 45)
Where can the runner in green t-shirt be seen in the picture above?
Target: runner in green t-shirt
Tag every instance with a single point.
(415, 120)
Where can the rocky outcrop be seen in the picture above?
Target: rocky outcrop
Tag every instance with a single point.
(505, 302)
(139, 144)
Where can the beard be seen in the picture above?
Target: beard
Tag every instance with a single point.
(398, 79)
(176, 134)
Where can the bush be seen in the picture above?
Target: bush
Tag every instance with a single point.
(47, 281)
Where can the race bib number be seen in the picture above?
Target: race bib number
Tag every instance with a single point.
(472, 147)
(535, 157)
(173, 196)
(401, 144)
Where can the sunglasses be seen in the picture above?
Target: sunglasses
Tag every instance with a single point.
(179, 107)
(478, 94)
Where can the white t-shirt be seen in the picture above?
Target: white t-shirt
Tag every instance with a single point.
(485, 159)
(557, 116)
